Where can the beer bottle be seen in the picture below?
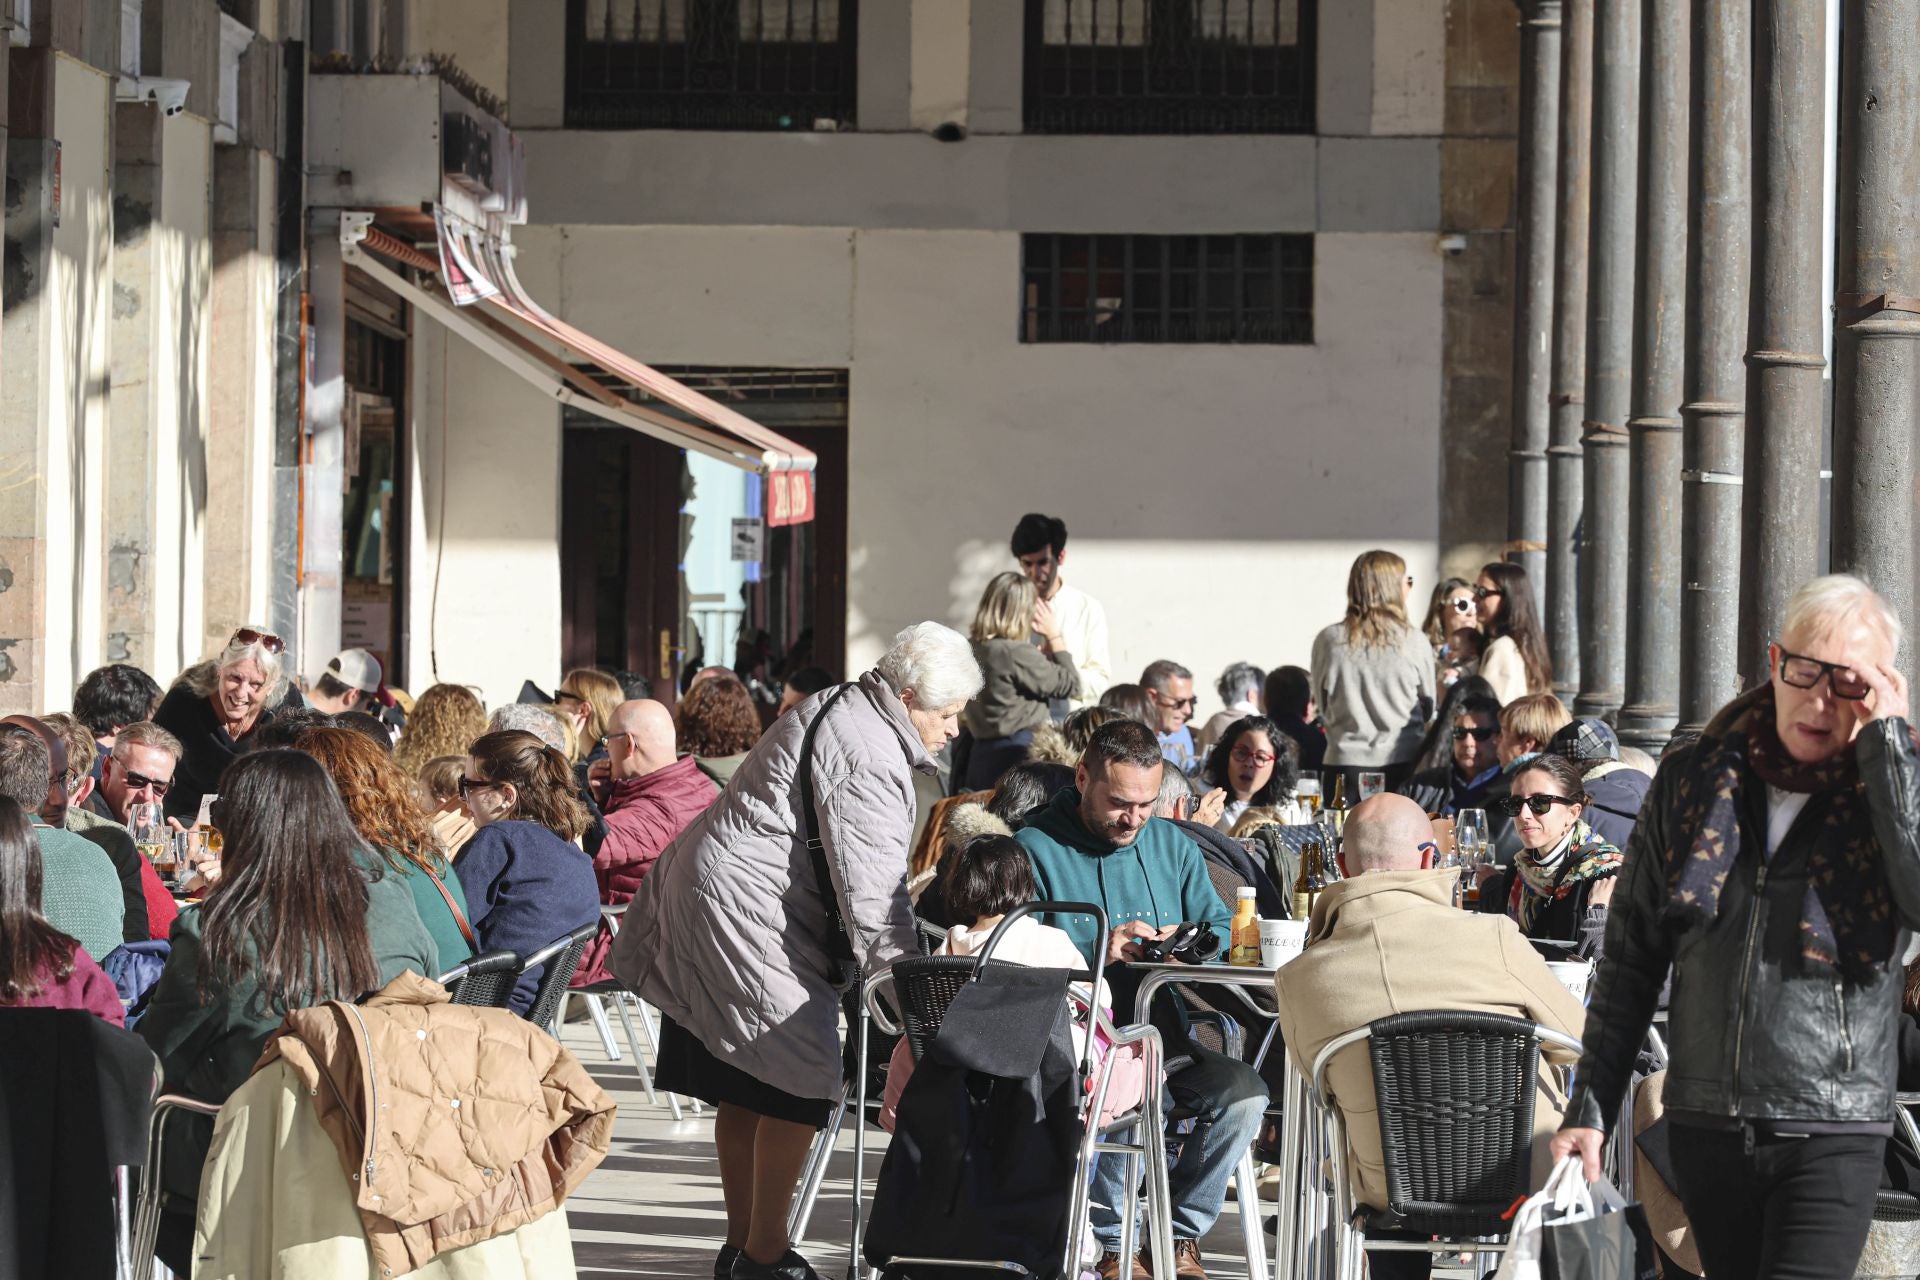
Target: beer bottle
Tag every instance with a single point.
(1310, 880)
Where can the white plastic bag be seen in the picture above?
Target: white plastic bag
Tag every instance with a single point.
(1566, 1197)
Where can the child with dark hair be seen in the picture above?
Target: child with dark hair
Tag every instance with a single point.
(982, 881)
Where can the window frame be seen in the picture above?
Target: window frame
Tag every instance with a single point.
(1235, 289)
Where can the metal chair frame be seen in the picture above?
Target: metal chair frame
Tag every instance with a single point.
(597, 1002)
(557, 961)
(146, 1218)
(1146, 1148)
(1350, 1245)
(464, 985)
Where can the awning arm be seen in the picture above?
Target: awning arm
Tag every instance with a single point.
(549, 373)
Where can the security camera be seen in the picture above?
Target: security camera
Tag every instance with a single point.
(1453, 245)
(167, 94)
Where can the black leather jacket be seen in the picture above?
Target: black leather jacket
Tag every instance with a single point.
(1752, 1035)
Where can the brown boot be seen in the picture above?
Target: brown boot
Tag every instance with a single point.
(1186, 1260)
(1110, 1268)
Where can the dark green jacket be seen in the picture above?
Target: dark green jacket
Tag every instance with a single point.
(208, 1050)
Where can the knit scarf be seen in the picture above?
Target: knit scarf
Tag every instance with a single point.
(1846, 919)
(1548, 877)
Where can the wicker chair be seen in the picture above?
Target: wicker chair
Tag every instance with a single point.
(559, 958)
(482, 981)
(1455, 1092)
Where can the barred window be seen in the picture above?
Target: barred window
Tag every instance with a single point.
(1188, 289)
(1169, 66)
(710, 64)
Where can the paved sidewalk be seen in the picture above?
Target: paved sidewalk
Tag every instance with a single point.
(654, 1207)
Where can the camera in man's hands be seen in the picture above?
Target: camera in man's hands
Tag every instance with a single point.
(1194, 942)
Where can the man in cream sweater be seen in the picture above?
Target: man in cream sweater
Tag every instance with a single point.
(1040, 545)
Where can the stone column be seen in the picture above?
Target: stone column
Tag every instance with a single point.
(1568, 399)
(1653, 540)
(1719, 227)
(1780, 510)
(1877, 279)
(1533, 291)
(1616, 147)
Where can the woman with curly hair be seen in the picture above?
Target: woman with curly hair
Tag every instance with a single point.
(445, 721)
(385, 808)
(1255, 764)
(718, 724)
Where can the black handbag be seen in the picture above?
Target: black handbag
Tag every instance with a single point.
(841, 958)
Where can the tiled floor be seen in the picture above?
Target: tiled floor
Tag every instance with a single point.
(654, 1208)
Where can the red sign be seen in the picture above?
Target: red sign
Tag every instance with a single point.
(789, 498)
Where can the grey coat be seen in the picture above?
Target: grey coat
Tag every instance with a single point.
(727, 935)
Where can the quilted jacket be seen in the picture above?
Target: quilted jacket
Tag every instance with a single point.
(454, 1124)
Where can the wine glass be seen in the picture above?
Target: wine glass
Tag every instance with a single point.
(1470, 839)
(148, 823)
(1372, 783)
(1307, 792)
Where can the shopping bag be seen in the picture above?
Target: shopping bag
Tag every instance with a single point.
(1610, 1240)
(1563, 1197)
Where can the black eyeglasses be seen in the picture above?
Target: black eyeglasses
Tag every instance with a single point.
(1510, 806)
(1479, 733)
(1806, 673)
(1174, 702)
(135, 781)
(1481, 593)
(470, 785)
(265, 639)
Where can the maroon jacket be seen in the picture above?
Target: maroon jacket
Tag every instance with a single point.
(88, 987)
(643, 817)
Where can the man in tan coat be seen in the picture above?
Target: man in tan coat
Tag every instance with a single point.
(1389, 940)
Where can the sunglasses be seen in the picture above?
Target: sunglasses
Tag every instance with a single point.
(470, 785)
(562, 695)
(1481, 593)
(1461, 604)
(135, 781)
(1510, 806)
(1478, 734)
(1175, 702)
(1806, 673)
(265, 639)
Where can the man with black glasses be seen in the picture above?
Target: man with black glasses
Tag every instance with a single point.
(139, 770)
(1778, 881)
(1472, 779)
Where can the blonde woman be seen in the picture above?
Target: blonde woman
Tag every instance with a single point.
(1373, 675)
(444, 721)
(586, 699)
(1021, 679)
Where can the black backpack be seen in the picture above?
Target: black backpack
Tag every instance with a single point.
(984, 1148)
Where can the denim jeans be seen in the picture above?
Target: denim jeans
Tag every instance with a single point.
(1226, 1099)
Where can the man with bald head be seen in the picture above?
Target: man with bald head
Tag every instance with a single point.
(1389, 940)
(648, 794)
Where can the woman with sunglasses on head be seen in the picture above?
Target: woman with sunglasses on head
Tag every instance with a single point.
(214, 708)
(1516, 662)
(1564, 875)
(1255, 764)
(1775, 877)
(1451, 608)
(527, 883)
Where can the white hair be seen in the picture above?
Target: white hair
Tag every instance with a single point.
(204, 678)
(1826, 604)
(936, 662)
(529, 718)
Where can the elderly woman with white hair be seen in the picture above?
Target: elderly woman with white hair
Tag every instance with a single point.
(740, 934)
(1775, 873)
(214, 709)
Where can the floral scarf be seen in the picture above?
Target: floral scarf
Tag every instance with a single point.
(1548, 877)
(1847, 918)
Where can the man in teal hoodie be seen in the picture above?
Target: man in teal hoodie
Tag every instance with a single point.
(1098, 841)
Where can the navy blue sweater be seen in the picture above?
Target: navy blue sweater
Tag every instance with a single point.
(525, 887)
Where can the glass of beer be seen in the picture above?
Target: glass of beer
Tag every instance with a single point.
(1470, 837)
(1307, 792)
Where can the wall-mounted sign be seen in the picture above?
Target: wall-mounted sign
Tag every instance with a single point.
(749, 540)
(789, 498)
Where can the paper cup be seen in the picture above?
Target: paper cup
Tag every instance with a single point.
(1281, 941)
(1574, 975)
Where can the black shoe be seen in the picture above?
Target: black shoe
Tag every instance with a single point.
(723, 1264)
(790, 1267)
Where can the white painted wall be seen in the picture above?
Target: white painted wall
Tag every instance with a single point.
(1215, 495)
(1409, 67)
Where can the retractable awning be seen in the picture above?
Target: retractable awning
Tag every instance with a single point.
(471, 289)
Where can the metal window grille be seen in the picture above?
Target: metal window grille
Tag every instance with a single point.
(1190, 289)
(710, 64)
(1169, 66)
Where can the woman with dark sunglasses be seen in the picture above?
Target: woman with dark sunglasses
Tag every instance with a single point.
(1562, 878)
(1516, 662)
(215, 708)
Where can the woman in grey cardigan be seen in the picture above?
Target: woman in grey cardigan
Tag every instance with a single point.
(727, 936)
(1021, 678)
(1373, 675)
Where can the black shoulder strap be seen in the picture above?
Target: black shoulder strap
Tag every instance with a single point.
(839, 945)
